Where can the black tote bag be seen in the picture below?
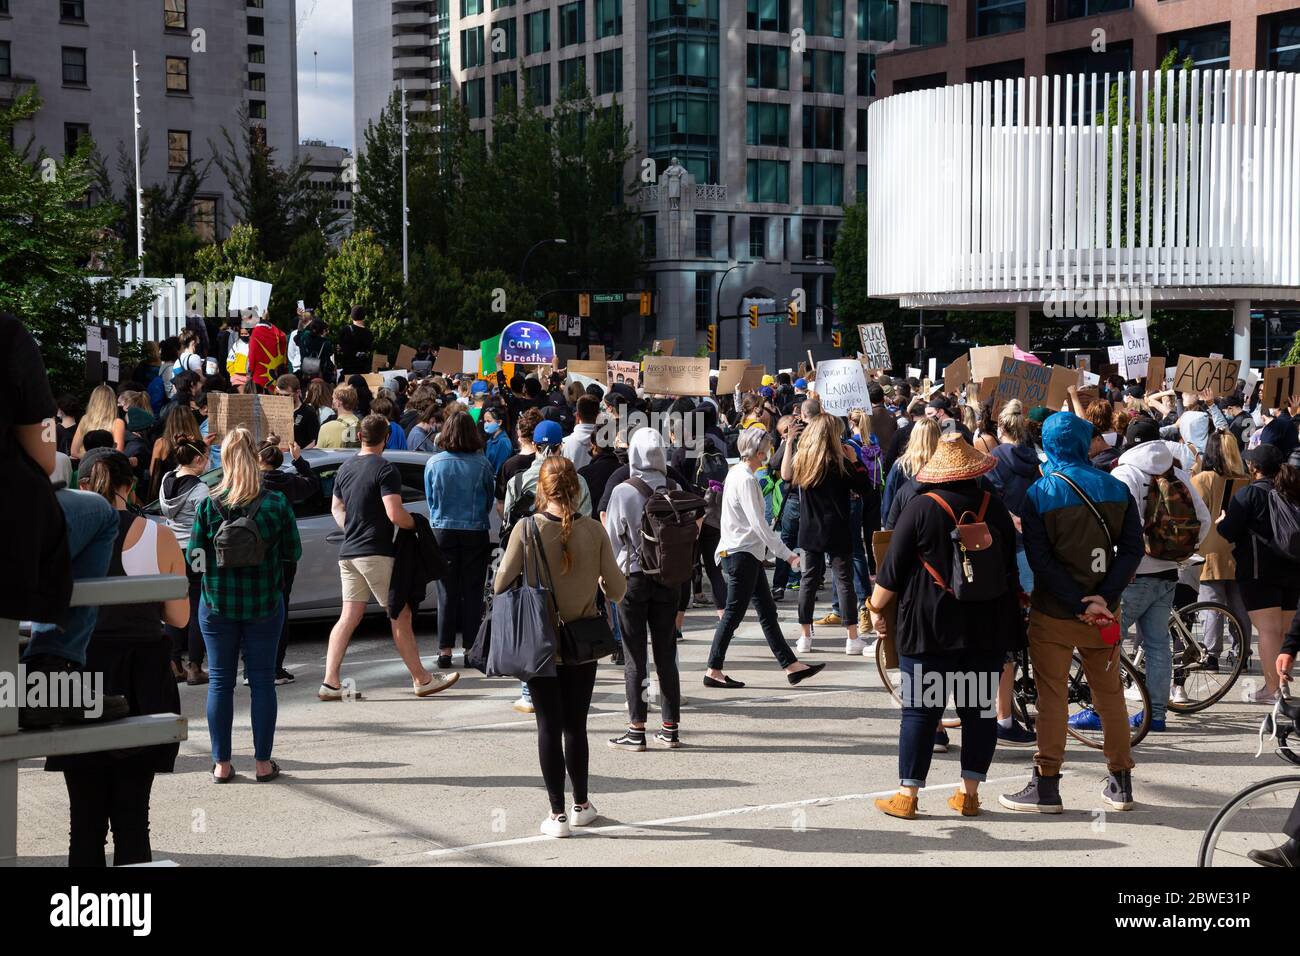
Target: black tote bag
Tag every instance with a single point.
(522, 643)
(584, 640)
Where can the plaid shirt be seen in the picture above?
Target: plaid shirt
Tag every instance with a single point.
(245, 594)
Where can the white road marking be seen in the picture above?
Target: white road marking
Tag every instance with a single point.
(695, 818)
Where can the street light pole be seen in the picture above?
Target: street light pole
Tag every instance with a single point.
(405, 212)
(139, 192)
(523, 269)
(718, 307)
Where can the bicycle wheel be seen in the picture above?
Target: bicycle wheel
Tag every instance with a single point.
(1205, 680)
(1252, 820)
(890, 677)
(1079, 700)
(1024, 695)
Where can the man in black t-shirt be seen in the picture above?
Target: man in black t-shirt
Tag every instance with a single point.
(356, 345)
(367, 506)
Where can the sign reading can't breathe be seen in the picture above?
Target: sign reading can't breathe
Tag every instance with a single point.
(526, 343)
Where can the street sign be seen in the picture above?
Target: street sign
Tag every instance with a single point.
(603, 298)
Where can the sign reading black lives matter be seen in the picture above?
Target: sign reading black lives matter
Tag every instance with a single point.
(875, 346)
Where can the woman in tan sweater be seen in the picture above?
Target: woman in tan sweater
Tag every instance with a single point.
(581, 559)
(1222, 474)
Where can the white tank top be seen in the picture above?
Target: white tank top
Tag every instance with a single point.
(142, 557)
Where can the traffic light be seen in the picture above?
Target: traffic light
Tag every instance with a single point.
(584, 304)
(836, 338)
(753, 316)
(792, 310)
(645, 303)
(713, 337)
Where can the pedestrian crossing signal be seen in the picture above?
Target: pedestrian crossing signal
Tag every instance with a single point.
(713, 337)
(753, 316)
(792, 310)
(836, 338)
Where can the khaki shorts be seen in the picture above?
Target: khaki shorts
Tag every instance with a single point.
(363, 577)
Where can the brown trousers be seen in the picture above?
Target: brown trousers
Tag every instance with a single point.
(1052, 642)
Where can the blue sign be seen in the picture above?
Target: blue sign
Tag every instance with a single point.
(526, 343)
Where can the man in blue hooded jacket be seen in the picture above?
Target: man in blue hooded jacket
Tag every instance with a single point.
(1083, 538)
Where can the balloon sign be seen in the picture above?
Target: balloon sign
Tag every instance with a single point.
(526, 343)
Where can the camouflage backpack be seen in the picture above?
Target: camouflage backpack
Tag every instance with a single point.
(1170, 527)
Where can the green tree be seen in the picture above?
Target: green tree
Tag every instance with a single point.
(853, 305)
(238, 255)
(53, 243)
(364, 273)
(1293, 356)
(299, 275)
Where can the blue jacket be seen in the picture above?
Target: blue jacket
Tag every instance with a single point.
(1068, 550)
(498, 450)
(459, 488)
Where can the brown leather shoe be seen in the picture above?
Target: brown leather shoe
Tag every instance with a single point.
(195, 675)
(899, 805)
(966, 804)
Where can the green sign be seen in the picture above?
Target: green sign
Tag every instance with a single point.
(607, 297)
(775, 319)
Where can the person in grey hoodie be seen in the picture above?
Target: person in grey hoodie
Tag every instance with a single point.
(648, 605)
(178, 498)
(1148, 599)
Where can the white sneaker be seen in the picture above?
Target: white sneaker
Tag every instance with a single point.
(854, 645)
(1179, 696)
(523, 705)
(1133, 693)
(1264, 696)
(584, 816)
(869, 647)
(804, 645)
(436, 684)
(556, 826)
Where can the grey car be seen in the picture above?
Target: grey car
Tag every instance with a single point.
(317, 590)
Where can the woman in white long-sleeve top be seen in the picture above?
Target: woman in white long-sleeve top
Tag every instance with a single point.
(744, 543)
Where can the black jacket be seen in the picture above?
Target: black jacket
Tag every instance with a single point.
(296, 488)
(1246, 521)
(417, 561)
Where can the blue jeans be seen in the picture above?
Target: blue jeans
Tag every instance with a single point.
(785, 576)
(972, 677)
(1148, 602)
(257, 641)
(1026, 572)
(92, 531)
(861, 573)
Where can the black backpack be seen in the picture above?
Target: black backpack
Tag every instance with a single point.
(979, 570)
(1284, 520)
(668, 532)
(238, 542)
(525, 503)
(711, 466)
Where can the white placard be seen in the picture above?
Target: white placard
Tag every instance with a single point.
(95, 342)
(842, 386)
(1137, 348)
(934, 369)
(1252, 376)
(250, 294)
(471, 360)
(1217, 355)
(114, 369)
(1115, 355)
(913, 372)
(1089, 378)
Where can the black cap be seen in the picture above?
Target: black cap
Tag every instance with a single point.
(620, 393)
(1267, 458)
(1141, 429)
(1135, 391)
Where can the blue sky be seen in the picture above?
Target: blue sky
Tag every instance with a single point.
(325, 71)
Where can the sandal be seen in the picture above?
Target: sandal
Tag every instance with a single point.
(268, 777)
(216, 779)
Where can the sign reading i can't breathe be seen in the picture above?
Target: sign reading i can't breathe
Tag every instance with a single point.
(526, 343)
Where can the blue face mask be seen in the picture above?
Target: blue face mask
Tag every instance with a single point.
(491, 427)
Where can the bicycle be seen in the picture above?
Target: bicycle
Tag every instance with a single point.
(1204, 678)
(1253, 818)
(1078, 696)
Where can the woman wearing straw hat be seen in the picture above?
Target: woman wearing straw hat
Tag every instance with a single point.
(949, 643)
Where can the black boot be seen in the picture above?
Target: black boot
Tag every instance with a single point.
(1118, 794)
(61, 672)
(1286, 856)
(1042, 795)
(618, 660)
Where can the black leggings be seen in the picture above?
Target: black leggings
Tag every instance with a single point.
(707, 545)
(814, 570)
(560, 704)
(102, 797)
(189, 637)
(747, 584)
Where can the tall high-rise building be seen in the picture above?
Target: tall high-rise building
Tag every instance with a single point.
(762, 104)
(202, 63)
(397, 43)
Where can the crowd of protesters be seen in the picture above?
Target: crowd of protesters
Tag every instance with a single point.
(1061, 498)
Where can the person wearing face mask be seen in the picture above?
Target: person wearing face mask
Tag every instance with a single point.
(179, 495)
(498, 447)
(237, 357)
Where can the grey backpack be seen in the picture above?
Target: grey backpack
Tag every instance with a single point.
(238, 542)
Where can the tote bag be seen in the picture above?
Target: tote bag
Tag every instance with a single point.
(523, 639)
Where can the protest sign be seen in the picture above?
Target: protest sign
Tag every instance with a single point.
(526, 343)
(1137, 348)
(1089, 379)
(913, 372)
(1217, 374)
(842, 386)
(1082, 361)
(956, 374)
(449, 361)
(933, 372)
(249, 294)
(596, 353)
(1156, 371)
(978, 392)
(875, 345)
(374, 381)
(261, 414)
(1115, 355)
(675, 375)
(405, 356)
(619, 373)
(1034, 385)
(588, 368)
(1279, 385)
(471, 360)
(986, 362)
(663, 346)
(730, 373)
(378, 362)
(753, 378)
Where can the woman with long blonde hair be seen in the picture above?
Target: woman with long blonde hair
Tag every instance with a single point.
(825, 469)
(921, 444)
(580, 559)
(101, 415)
(242, 603)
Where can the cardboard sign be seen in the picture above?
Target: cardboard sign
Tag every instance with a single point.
(1088, 379)
(1217, 374)
(1156, 370)
(842, 386)
(753, 378)
(1083, 362)
(590, 369)
(374, 381)
(623, 372)
(675, 375)
(595, 353)
(1137, 348)
(875, 345)
(1087, 396)
(980, 392)
(986, 362)
(1279, 385)
(448, 361)
(261, 414)
(730, 374)
(956, 375)
(405, 356)
(663, 346)
(1034, 385)
(378, 362)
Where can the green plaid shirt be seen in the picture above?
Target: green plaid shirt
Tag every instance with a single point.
(245, 594)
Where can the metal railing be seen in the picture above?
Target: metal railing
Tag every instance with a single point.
(143, 731)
